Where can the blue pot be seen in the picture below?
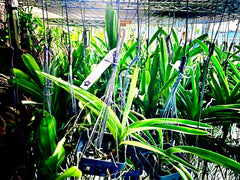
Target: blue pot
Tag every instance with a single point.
(96, 166)
(142, 160)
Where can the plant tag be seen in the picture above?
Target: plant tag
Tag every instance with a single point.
(98, 70)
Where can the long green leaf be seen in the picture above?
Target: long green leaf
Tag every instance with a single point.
(102, 42)
(91, 101)
(163, 60)
(157, 33)
(162, 152)
(220, 108)
(234, 54)
(47, 134)
(168, 121)
(201, 38)
(235, 91)
(153, 72)
(176, 128)
(55, 160)
(145, 80)
(128, 54)
(21, 75)
(220, 53)
(183, 171)
(195, 89)
(97, 48)
(234, 68)
(221, 74)
(202, 45)
(216, 87)
(208, 155)
(71, 172)
(197, 50)
(175, 36)
(30, 88)
(178, 54)
(32, 66)
(130, 97)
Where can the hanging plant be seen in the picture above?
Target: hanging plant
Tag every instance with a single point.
(124, 131)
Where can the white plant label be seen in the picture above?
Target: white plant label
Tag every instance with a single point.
(98, 70)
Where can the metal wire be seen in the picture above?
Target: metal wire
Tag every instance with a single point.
(170, 108)
(70, 77)
(202, 8)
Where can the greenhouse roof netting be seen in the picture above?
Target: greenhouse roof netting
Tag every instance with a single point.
(91, 12)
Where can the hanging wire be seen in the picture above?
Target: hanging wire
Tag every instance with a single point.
(138, 30)
(136, 59)
(148, 31)
(47, 85)
(168, 38)
(230, 48)
(111, 83)
(70, 76)
(170, 107)
(84, 36)
(100, 125)
(213, 16)
(126, 80)
(206, 65)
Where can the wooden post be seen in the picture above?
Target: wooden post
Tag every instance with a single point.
(12, 6)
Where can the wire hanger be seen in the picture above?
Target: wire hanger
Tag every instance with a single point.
(170, 108)
(206, 64)
(230, 48)
(70, 77)
(137, 57)
(47, 86)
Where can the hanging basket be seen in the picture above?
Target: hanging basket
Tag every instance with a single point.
(144, 162)
(133, 174)
(133, 154)
(174, 174)
(99, 167)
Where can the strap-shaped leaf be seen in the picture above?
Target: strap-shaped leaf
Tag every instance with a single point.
(177, 128)
(234, 92)
(221, 108)
(55, 160)
(202, 45)
(91, 101)
(216, 87)
(156, 35)
(172, 121)
(234, 68)
(221, 74)
(29, 87)
(168, 84)
(32, 66)
(130, 97)
(161, 152)
(208, 155)
(175, 36)
(128, 54)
